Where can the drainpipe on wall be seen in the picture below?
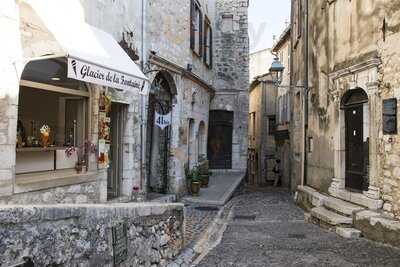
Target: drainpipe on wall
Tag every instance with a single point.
(142, 108)
(306, 90)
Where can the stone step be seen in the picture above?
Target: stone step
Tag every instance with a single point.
(341, 206)
(330, 217)
(348, 232)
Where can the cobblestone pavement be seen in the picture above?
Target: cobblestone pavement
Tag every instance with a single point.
(198, 218)
(267, 229)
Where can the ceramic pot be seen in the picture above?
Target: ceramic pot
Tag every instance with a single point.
(195, 188)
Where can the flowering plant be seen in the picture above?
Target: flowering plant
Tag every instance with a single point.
(45, 130)
(136, 188)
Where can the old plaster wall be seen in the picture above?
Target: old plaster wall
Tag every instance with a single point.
(262, 103)
(231, 68)
(389, 78)
(10, 61)
(297, 79)
(255, 131)
(81, 235)
(259, 63)
(346, 36)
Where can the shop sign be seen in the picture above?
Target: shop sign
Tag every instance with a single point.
(120, 242)
(86, 72)
(163, 121)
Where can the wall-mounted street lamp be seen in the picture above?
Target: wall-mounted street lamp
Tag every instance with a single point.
(276, 71)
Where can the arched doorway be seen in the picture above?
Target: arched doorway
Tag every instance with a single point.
(158, 140)
(355, 106)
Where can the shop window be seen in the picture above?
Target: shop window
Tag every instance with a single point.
(390, 116)
(196, 28)
(208, 39)
(51, 118)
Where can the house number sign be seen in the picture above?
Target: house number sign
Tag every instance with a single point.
(162, 121)
(119, 242)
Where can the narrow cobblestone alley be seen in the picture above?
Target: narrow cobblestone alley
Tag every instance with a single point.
(267, 229)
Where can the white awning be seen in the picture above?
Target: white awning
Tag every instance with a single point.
(93, 55)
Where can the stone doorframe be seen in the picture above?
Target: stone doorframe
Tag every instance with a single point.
(365, 76)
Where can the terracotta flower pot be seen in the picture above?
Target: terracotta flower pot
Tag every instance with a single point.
(195, 188)
(205, 179)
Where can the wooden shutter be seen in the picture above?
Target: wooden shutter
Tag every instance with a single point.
(200, 33)
(205, 41)
(192, 26)
(211, 47)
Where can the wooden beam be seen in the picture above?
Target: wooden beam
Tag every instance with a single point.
(53, 88)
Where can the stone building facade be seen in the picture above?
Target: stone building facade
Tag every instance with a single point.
(188, 53)
(229, 108)
(262, 126)
(351, 148)
(282, 49)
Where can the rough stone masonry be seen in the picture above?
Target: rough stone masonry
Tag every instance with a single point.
(81, 235)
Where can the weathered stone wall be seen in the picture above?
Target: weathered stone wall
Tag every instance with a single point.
(168, 33)
(81, 235)
(168, 36)
(231, 68)
(389, 145)
(356, 52)
(77, 193)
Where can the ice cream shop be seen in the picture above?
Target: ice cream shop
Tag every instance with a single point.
(75, 113)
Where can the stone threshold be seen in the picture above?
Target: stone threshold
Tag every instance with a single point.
(359, 199)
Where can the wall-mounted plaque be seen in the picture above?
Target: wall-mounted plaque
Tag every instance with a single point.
(390, 116)
(119, 242)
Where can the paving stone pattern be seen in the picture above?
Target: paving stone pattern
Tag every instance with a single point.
(279, 236)
(197, 221)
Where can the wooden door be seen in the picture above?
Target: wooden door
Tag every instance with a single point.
(355, 154)
(220, 139)
(116, 151)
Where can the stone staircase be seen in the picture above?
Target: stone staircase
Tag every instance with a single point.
(333, 213)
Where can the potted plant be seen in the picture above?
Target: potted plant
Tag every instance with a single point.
(83, 152)
(204, 173)
(195, 183)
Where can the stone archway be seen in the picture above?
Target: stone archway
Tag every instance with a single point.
(161, 97)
